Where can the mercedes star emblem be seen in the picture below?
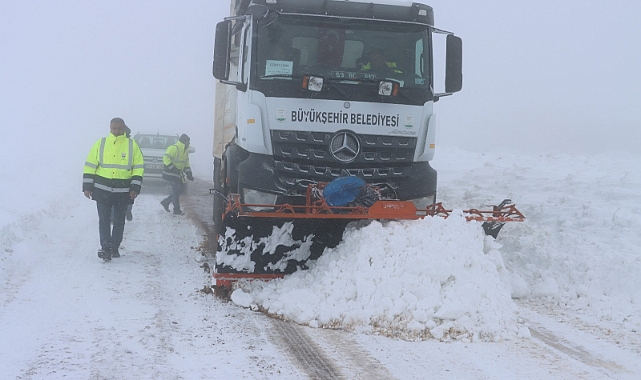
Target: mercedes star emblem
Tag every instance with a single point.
(344, 147)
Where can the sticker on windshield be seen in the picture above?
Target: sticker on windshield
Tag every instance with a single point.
(273, 67)
(281, 116)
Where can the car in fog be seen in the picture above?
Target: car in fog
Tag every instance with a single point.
(153, 147)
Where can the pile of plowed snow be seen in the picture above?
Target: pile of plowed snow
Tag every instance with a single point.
(430, 278)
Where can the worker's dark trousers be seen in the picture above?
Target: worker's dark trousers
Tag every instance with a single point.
(177, 188)
(111, 238)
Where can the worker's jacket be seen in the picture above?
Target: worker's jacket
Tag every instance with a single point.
(176, 162)
(114, 167)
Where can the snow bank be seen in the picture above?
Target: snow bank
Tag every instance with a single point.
(580, 247)
(431, 278)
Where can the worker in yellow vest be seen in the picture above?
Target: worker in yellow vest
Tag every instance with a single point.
(176, 169)
(378, 63)
(112, 177)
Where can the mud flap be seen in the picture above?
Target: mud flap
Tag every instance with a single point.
(274, 245)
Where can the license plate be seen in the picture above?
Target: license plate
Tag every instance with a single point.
(154, 166)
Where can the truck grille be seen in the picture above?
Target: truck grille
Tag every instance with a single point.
(301, 155)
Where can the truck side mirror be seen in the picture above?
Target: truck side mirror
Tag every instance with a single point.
(453, 64)
(222, 47)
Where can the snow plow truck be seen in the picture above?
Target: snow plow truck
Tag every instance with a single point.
(324, 116)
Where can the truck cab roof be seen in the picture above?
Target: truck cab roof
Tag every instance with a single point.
(398, 10)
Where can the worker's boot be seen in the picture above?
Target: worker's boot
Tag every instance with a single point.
(104, 254)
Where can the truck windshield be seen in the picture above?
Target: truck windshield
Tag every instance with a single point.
(351, 55)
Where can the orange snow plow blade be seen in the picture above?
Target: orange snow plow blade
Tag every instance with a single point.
(280, 239)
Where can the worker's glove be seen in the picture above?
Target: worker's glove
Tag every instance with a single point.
(189, 174)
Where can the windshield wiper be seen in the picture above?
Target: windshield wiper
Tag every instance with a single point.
(332, 82)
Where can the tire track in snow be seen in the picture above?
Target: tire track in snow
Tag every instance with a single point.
(303, 351)
(12, 284)
(605, 351)
(574, 351)
(326, 354)
(198, 205)
(350, 356)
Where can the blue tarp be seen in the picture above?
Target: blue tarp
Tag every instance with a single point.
(344, 191)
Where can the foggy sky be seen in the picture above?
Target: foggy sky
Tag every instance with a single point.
(538, 76)
(545, 75)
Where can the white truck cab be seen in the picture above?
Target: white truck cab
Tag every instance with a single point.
(313, 90)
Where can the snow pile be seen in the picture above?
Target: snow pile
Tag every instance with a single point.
(431, 278)
(580, 246)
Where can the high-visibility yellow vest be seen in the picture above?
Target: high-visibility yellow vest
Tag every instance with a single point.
(178, 156)
(114, 166)
(392, 66)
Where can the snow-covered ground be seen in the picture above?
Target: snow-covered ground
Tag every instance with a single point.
(558, 296)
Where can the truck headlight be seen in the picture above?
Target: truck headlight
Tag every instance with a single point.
(251, 196)
(313, 83)
(388, 88)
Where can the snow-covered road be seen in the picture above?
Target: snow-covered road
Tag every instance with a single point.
(574, 265)
(66, 314)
